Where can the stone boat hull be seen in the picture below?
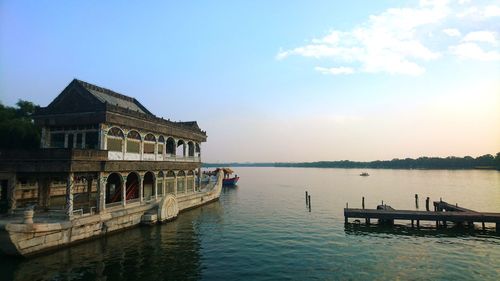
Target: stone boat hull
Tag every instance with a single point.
(27, 239)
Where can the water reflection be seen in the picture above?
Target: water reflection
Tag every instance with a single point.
(167, 252)
(401, 230)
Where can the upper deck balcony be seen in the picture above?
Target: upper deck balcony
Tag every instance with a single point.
(61, 160)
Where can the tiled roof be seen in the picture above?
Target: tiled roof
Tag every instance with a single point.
(114, 98)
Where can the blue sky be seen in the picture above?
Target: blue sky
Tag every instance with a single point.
(276, 80)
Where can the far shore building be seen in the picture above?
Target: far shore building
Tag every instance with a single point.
(100, 150)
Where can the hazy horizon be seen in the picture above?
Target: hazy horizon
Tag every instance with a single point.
(276, 82)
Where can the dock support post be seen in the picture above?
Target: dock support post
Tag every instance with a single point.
(306, 199)
(427, 203)
(418, 223)
(412, 225)
(367, 221)
(363, 203)
(437, 224)
(483, 225)
(416, 201)
(309, 197)
(497, 226)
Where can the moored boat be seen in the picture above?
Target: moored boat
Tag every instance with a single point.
(228, 180)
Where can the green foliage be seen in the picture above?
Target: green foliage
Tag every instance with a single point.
(486, 161)
(17, 130)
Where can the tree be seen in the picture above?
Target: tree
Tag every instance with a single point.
(17, 130)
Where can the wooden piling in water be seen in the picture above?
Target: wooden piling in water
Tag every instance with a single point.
(306, 199)
(309, 197)
(416, 201)
(427, 204)
(363, 203)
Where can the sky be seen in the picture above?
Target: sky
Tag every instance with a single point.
(276, 81)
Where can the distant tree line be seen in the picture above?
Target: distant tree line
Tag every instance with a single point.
(487, 161)
(17, 130)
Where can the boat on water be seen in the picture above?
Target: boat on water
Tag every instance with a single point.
(105, 164)
(364, 174)
(228, 179)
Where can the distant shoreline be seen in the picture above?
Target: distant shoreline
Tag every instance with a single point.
(485, 162)
(258, 165)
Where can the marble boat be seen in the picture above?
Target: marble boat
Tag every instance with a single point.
(105, 164)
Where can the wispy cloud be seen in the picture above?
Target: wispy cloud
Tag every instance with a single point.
(475, 52)
(335, 70)
(395, 41)
(481, 36)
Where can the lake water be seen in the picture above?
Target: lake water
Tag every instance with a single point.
(261, 230)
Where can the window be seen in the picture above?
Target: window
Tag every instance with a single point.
(79, 140)
(57, 140)
(114, 144)
(91, 140)
(159, 186)
(149, 148)
(133, 146)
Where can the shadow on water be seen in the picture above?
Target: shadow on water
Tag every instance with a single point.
(401, 230)
(169, 251)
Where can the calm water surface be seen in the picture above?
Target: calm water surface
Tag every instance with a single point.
(261, 230)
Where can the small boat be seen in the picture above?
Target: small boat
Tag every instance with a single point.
(228, 180)
(364, 174)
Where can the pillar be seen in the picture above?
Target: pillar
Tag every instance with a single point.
(124, 147)
(66, 140)
(69, 195)
(90, 180)
(101, 138)
(141, 186)
(12, 193)
(155, 186)
(124, 191)
(163, 186)
(175, 185)
(101, 193)
(185, 182)
(199, 178)
(84, 139)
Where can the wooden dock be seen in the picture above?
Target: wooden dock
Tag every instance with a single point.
(444, 212)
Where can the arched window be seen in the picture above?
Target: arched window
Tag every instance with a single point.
(132, 186)
(148, 185)
(159, 183)
(113, 188)
(171, 146)
(190, 149)
(181, 176)
(133, 142)
(181, 148)
(161, 145)
(190, 181)
(169, 182)
(149, 144)
(114, 139)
